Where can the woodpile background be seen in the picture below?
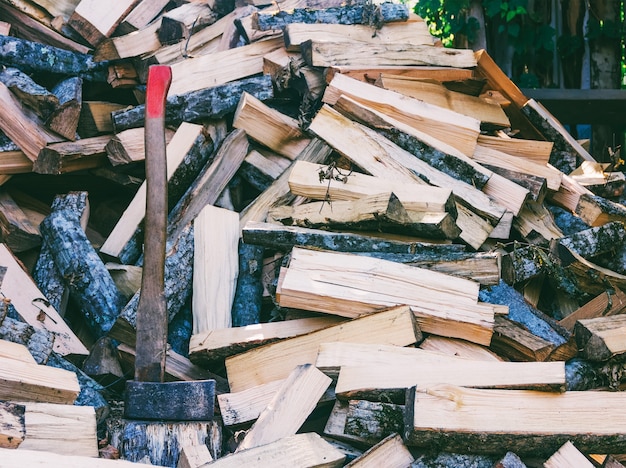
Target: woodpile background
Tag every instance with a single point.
(380, 249)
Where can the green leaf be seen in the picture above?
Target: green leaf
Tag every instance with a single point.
(509, 16)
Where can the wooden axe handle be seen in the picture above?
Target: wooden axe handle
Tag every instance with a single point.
(152, 309)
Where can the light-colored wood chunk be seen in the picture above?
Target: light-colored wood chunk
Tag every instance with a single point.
(389, 452)
(20, 288)
(246, 406)
(16, 351)
(292, 404)
(95, 20)
(535, 150)
(36, 459)
(12, 424)
(568, 456)
(275, 361)
(194, 456)
(215, 268)
(460, 348)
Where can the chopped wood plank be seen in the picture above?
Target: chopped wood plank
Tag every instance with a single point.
(568, 455)
(72, 156)
(534, 150)
(373, 381)
(128, 146)
(305, 179)
(427, 118)
(246, 406)
(414, 32)
(276, 360)
(235, 64)
(438, 95)
(14, 162)
(349, 14)
(371, 74)
(64, 119)
(390, 452)
(509, 418)
(95, 118)
(61, 429)
(133, 44)
(537, 186)
(351, 285)
(507, 193)
(380, 212)
(601, 338)
(20, 381)
(306, 450)
(269, 127)
(485, 155)
(185, 20)
(318, 53)
(141, 15)
(194, 456)
(25, 296)
(180, 144)
(292, 404)
(215, 268)
(12, 427)
(96, 21)
(212, 102)
(217, 344)
(605, 304)
(23, 126)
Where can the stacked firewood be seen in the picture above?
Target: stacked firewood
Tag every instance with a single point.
(382, 251)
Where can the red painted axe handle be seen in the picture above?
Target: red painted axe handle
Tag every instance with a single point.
(152, 309)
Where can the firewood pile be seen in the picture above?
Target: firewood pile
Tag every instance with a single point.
(380, 250)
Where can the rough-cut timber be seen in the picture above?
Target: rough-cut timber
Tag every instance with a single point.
(524, 421)
(601, 338)
(31, 57)
(390, 452)
(72, 156)
(372, 421)
(89, 281)
(335, 54)
(196, 106)
(96, 21)
(16, 229)
(64, 119)
(351, 14)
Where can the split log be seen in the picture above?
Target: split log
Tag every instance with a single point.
(372, 422)
(426, 118)
(214, 345)
(78, 263)
(390, 452)
(133, 44)
(443, 304)
(547, 124)
(479, 422)
(352, 14)
(306, 449)
(39, 342)
(28, 92)
(34, 57)
(46, 276)
(601, 338)
(269, 127)
(605, 304)
(20, 381)
(329, 54)
(72, 156)
(489, 113)
(12, 427)
(248, 299)
(160, 443)
(380, 212)
(371, 74)
(187, 152)
(459, 348)
(536, 186)
(103, 364)
(568, 455)
(392, 326)
(284, 238)
(328, 183)
(13, 162)
(411, 31)
(260, 170)
(19, 287)
(235, 64)
(595, 210)
(194, 456)
(287, 411)
(16, 230)
(212, 102)
(240, 408)
(534, 150)
(95, 21)
(60, 429)
(141, 15)
(64, 119)
(178, 283)
(16, 351)
(22, 125)
(336, 425)
(215, 268)
(513, 341)
(536, 224)
(210, 182)
(180, 23)
(95, 118)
